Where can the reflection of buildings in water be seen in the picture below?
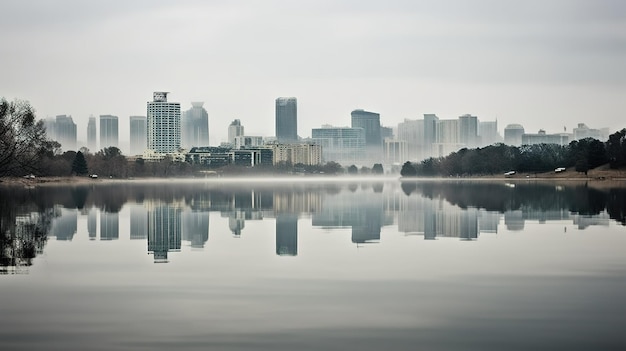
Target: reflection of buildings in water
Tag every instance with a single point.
(287, 234)
(237, 219)
(488, 221)
(109, 226)
(297, 201)
(138, 222)
(92, 223)
(582, 221)
(195, 227)
(64, 226)
(360, 210)
(164, 229)
(514, 220)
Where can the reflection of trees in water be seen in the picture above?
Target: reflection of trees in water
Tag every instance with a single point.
(532, 196)
(24, 225)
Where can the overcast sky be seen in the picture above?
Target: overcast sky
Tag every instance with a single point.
(543, 64)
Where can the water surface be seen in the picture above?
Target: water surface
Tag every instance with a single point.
(314, 265)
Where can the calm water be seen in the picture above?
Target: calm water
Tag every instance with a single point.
(312, 265)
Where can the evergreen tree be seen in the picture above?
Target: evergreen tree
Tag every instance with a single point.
(79, 166)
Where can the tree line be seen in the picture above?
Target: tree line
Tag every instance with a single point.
(583, 155)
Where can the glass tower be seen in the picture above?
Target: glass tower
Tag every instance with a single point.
(286, 119)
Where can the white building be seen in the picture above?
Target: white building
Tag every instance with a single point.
(163, 124)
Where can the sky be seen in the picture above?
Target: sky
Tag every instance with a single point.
(546, 64)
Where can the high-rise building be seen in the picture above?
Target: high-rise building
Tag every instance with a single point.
(412, 133)
(63, 130)
(195, 126)
(138, 135)
(370, 122)
(286, 119)
(235, 129)
(488, 133)
(108, 131)
(92, 136)
(163, 124)
(468, 131)
(513, 134)
(340, 144)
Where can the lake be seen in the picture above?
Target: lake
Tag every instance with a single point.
(314, 264)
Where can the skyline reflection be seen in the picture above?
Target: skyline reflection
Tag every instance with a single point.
(167, 216)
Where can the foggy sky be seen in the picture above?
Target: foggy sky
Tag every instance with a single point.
(543, 64)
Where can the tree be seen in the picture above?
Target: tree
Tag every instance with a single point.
(377, 169)
(408, 170)
(616, 149)
(79, 166)
(22, 139)
(353, 169)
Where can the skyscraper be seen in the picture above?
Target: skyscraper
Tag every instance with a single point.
(195, 126)
(65, 130)
(92, 136)
(235, 129)
(286, 119)
(138, 135)
(163, 123)
(108, 131)
(468, 130)
(370, 122)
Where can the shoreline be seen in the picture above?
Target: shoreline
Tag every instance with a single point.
(570, 176)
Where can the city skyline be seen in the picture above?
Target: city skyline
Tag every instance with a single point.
(543, 65)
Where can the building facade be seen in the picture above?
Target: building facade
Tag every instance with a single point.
(163, 124)
(109, 133)
(138, 135)
(306, 154)
(235, 129)
(92, 135)
(343, 145)
(195, 126)
(286, 119)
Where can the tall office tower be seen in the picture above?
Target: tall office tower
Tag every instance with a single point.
(108, 131)
(468, 130)
(286, 119)
(488, 133)
(412, 133)
(430, 134)
(195, 126)
(92, 136)
(65, 131)
(370, 122)
(138, 135)
(513, 134)
(163, 124)
(235, 129)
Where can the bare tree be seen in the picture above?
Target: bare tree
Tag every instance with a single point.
(22, 138)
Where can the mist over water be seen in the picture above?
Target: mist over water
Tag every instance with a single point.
(312, 264)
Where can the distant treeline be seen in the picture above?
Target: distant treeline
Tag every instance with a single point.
(583, 155)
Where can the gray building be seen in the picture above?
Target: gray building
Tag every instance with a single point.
(92, 135)
(63, 130)
(138, 135)
(513, 134)
(195, 126)
(109, 132)
(542, 138)
(235, 129)
(286, 119)
(468, 130)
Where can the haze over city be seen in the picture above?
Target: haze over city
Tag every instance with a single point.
(546, 65)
